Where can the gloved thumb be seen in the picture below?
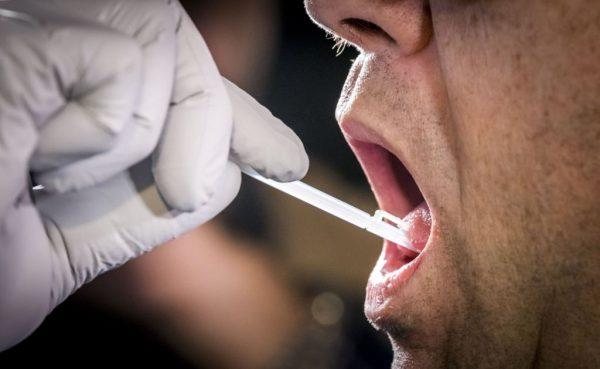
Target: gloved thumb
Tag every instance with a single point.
(262, 141)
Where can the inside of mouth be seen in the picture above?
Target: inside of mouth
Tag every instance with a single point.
(413, 196)
(406, 183)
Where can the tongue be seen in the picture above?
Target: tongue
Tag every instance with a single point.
(419, 225)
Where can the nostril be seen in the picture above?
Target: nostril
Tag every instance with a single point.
(400, 28)
(366, 28)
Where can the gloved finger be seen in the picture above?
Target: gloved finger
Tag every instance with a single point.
(104, 226)
(18, 127)
(102, 92)
(28, 96)
(26, 276)
(229, 185)
(193, 151)
(153, 25)
(262, 141)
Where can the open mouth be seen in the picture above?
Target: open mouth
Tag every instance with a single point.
(398, 193)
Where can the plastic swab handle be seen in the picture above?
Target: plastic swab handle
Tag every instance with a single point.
(379, 224)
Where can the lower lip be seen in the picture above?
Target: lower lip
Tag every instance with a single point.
(396, 265)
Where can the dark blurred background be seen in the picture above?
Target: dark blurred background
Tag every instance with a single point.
(271, 283)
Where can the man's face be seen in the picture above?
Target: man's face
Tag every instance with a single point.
(479, 121)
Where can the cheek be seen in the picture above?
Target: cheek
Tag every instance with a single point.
(512, 90)
(491, 97)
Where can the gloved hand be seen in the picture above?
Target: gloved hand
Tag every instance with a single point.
(88, 89)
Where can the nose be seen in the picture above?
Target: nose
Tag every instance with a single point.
(396, 26)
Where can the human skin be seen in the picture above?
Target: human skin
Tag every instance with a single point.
(494, 109)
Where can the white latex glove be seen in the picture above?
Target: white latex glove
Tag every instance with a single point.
(86, 87)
